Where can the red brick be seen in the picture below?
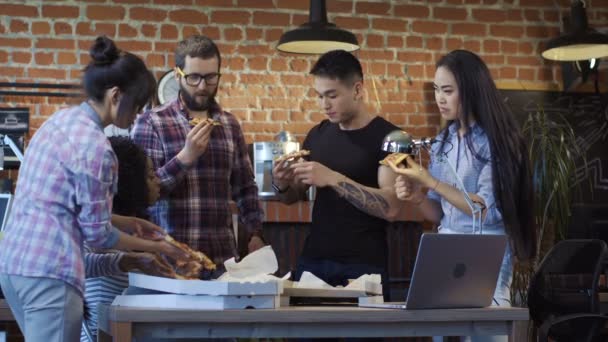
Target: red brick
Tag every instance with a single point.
(173, 2)
(46, 73)
(374, 40)
(255, 4)
(44, 58)
(3, 57)
(63, 28)
(472, 45)
(255, 49)
(525, 74)
(271, 19)
(434, 43)
(234, 63)
(508, 47)
(189, 17)
(105, 29)
(507, 72)
(510, 31)
(211, 32)
(67, 58)
(412, 11)
(253, 33)
(338, 6)
(415, 57)
(365, 7)
(291, 4)
(49, 11)
(168, 32)
(40, 28)
(453, 43)
(414, 42)
(525, 61)
(514, 15)
(230, 17)
(532, 15)
(299, 19)
(525, 48)
(98, 12)
(449, 13)
(213, 3)
(491, 46)
(551, 16)
(148, 30)
(429, 27)
(147, 14)
(165, 46)
(155, 60)
(19, 26)
(298, 80)
(190, 30)
(494, 59)
(18, 10)
(134, 45)
(21, 57)
(377, 55)
(258, 63)
(489, 15)
(127, 31)
(233, 34)
(395, 41)
(351, 23)
(47, 43)
(469, 29)
(278, 64)
(273, 35)
(395, 25)
(541, 31)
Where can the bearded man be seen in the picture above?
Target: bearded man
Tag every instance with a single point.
(202, 167)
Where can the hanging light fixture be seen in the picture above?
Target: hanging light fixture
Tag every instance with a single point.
(579, 42)
(317, 36)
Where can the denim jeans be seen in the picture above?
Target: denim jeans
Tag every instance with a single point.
(46, 310)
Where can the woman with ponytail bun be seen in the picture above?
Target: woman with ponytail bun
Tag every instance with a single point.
(64, 196)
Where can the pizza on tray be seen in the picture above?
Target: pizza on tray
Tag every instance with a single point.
(295, 155)
(396, 158)
(196, 121)
(190, 269)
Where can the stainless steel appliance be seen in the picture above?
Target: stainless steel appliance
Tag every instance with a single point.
(263, 155)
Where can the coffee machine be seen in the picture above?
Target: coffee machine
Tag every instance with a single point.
(263, 155)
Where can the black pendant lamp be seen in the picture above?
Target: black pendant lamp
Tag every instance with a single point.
(317, 36)
(579, 42)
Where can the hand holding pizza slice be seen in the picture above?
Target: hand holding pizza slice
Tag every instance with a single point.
(195, 121)
(396, 158)
(190, 269)
(295, 155)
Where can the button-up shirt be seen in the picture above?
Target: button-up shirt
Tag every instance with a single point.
(63, 198)
(195, 200)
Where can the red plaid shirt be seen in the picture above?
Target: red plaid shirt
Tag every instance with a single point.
(195, 201)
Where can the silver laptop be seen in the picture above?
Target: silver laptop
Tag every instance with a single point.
(453, 271)
(5, 207)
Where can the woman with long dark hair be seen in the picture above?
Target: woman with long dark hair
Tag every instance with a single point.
(64, 199)
(485, 146)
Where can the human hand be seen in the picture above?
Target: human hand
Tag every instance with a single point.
(196, 142)
(414, 172)
(255, 243)
(147, 230)
(147, 263)
(282, 174)
(406, 190)
(314, 173)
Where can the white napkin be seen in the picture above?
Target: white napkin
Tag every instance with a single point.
(367, 282)
(257, 266)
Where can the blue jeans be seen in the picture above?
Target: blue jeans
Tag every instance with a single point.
(337, 273)
(46, 310)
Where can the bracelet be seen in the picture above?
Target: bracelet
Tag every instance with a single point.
(436, 185)
(279, 190)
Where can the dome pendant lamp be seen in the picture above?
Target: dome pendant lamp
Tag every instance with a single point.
(579, 42)
(317, 36)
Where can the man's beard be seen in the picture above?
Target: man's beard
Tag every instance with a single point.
(191, 100)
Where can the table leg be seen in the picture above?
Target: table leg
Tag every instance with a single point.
(121, 331)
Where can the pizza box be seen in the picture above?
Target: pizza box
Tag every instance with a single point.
(206, 287)
(175, 301)
(290, 289)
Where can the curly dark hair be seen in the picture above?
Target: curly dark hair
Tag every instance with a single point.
(131, 199)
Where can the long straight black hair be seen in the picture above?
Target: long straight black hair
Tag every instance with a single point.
(511, 172)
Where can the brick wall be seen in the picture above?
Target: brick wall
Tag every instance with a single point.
(47, 41)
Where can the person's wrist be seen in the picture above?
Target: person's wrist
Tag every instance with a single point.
(280, 187)
(185, 158)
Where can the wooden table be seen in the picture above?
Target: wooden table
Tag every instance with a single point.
(5, 311)
(123, 323)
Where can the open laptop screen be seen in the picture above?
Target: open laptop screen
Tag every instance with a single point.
(5, 206)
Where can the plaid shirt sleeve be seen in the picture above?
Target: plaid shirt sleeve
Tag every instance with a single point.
(146, 136)
(94, 190)
(244, 189)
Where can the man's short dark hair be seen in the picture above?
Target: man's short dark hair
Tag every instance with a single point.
(197, 46)
(340, 65)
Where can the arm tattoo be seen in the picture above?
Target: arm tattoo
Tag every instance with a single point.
(363, 199)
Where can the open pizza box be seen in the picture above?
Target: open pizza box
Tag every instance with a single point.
(248, 284)
(367, 288)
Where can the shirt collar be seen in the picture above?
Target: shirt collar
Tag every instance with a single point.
(474, 128)
(91, 113)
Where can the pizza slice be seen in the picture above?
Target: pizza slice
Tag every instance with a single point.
(397, 158)
(292, 156)
(200, 257)
(188, 269)
(196, 121)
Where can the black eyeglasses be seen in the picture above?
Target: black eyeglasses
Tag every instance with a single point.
(194, 80)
